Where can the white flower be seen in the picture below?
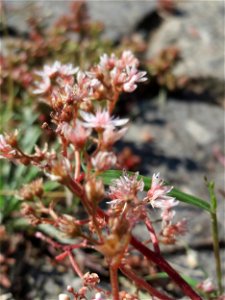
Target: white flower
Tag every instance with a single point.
(133, 76)
(49, 70)
(128, 59)
(64, 297)
(107, 62)
(125, 188)
(67, 70)
(57, 68)
(43, 86)
(6, 150)
(110, 135)
(77, 134)
(101, 120)
(157, 194)
(103, 160)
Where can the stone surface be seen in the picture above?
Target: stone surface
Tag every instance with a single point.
(182, 154)
(198, 31)
(119, 17)
(183, 157)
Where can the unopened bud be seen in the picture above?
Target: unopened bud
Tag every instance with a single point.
(31, 190)
(67, 225)
(12, 138)
(64, 297)
(70, 289)
(94, 190)
(90, 279)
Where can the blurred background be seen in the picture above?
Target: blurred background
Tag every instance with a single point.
(177, 125)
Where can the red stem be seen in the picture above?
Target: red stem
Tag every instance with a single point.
(152, 235)
(143, 284)
(159, 260)
(77, 166)
(74, 264)
(114, 282)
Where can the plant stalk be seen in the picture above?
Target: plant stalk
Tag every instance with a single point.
(160, 261)
(143, 284)
(153, 236)
(114, 282)
(216, 248)
(215, 234)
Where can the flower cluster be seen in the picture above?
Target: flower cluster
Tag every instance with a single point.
(82, 120)
(104, 81)
(124, 194)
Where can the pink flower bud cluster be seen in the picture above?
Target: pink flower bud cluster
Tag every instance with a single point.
(51, 72)
(78, 114)
(6, 150)
(100, 82)
(124, 194)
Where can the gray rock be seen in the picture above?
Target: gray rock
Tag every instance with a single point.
(199, 33)
(184, 137)
(201, 135)
(119, 17)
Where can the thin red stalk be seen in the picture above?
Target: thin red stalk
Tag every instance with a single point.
(43, 237)
(77, 166)
(77, 189)
(160, 261)
(153, 236)
(57, 245)
(114, 282)
(112, 103)
(74, 186)
(74, 264)
(142, 284)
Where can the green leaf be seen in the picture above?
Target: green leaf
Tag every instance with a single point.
(109, 175)
(30, 138)
(162, 275)
(8, 205)
(51, 186)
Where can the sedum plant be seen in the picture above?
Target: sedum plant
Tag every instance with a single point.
(82, 118)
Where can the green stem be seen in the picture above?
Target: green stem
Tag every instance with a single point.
(162, 97)
(216, 248)
(215, 234)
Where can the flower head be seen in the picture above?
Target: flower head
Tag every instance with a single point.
(67, 70)
(103, 160)
(6, 150)
(125, 188)
(77, 134)
(157, 194)
(133, 76)
(128, 59)
(101, 120)
(206, 286)
(64, 297)
(98, 296)
(43, 86)
(110, 136)
(57, 69)
(49, 70)
(127, 78)
(107, 62)
(90, 279)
